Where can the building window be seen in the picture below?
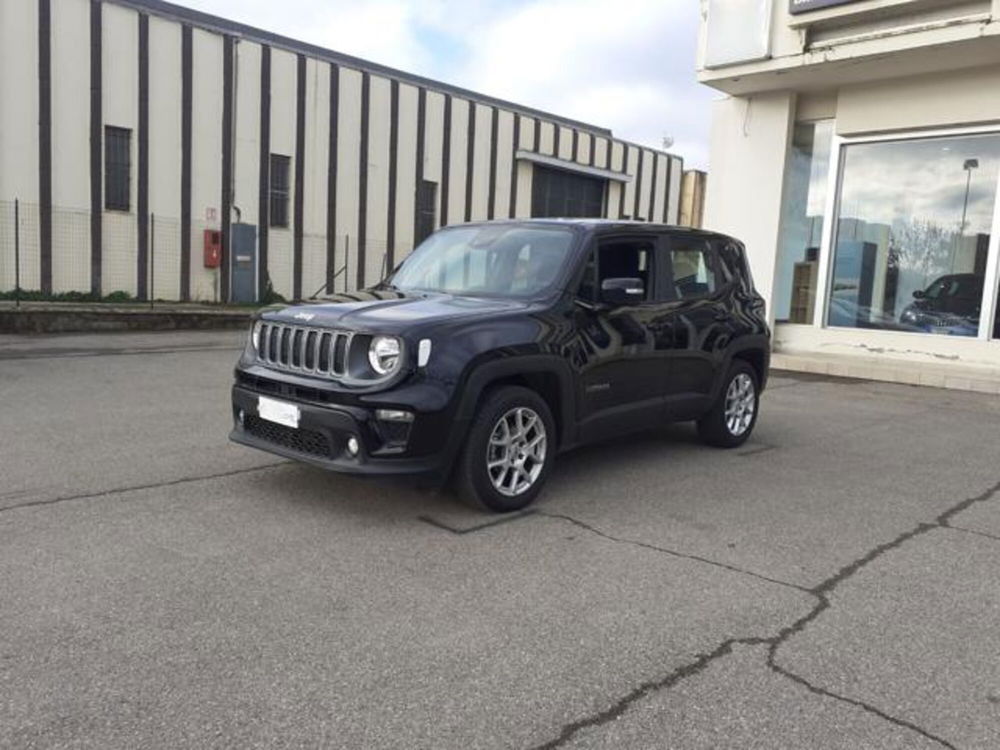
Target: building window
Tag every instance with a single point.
(280, 167)
(117, 168)
(556, 193)
(802, 219)
(426, 210)
(913, 234)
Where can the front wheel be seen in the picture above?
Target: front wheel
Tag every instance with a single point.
(734, 414)
(509, 450)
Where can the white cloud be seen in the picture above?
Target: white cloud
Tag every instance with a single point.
(627, 65)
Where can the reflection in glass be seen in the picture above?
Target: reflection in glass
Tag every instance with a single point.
(913, 233)
(802, 217)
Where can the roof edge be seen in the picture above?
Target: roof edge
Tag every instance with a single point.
(219, 24)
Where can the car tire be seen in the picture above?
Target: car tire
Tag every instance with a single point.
(734, 415)
(499, 469)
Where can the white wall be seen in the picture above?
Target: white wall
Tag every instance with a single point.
(505, 156)
(348, 158)
(120, 99)
(481, 163)
(315, 203)
(406, 172)
(70, 145)
(206, 157)
(743, 198)
(283, 92)
(19, 140)
(378, 178)
(165, 155)
(457, 160)
(943, 100)
(433, 145)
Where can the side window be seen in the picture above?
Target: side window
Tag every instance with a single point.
(692, 272)
(626, 259)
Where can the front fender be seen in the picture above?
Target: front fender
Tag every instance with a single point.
(501, 368)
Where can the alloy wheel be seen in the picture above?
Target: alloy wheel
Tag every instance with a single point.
(741, 402)
(515, 454)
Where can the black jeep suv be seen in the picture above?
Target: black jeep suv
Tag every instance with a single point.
(494, 346)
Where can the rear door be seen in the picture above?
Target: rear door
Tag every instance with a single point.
(697, 325)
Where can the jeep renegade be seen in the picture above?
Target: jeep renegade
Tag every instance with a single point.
(494, 346)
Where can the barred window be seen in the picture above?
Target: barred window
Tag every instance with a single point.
(117, 168)
(279, 190)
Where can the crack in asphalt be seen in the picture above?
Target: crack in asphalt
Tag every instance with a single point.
(672, 553)
(138, 487)
(895, 720)
(964, 530)
(622, 705)
(822, 593)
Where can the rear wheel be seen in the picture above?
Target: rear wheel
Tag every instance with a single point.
(509, 450)
(734, 415)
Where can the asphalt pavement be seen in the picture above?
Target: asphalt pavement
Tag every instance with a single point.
(831, 584)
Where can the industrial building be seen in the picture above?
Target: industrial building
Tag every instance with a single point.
(857, 152)
(155, 150)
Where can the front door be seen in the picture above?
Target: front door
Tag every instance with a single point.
(621, 370)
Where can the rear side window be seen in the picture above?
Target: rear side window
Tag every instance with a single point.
(692, 270)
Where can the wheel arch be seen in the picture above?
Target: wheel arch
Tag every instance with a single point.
(546, 375)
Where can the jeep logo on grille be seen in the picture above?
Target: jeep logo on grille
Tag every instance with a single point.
(304, 316)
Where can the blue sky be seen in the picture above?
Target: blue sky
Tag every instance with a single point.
(626, 65)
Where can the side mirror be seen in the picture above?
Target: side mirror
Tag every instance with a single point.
(622, 291)
(919, 294)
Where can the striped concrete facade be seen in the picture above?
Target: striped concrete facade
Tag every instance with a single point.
(207, 102)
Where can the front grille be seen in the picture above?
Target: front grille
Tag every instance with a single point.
(311, 351)
(309, 442)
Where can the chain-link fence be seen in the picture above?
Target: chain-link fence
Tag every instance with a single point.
(142, 260)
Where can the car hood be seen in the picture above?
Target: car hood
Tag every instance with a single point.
(384, 311)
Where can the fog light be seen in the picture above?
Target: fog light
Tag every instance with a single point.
(240, 415)
(393, 415)
(352, 446)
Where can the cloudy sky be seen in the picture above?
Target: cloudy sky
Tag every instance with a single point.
(626, 65)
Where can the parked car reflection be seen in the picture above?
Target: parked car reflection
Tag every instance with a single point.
(950, 305)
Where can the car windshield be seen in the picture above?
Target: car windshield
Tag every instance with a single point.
(502, 261)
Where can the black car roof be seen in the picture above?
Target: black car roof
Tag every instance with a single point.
(599, 225)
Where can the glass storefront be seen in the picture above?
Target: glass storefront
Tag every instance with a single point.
(912, 234)
(806, 174)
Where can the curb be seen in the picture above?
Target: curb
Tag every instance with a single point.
(83, 320)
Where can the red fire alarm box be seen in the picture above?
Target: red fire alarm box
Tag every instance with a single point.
(213, 248)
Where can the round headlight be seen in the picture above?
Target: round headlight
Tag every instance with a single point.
(383, 354)
(255, 336)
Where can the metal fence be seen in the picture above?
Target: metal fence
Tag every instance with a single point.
(153, 270)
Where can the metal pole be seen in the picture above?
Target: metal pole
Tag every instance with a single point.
(17, 253)
(152, 259)
(965, 204)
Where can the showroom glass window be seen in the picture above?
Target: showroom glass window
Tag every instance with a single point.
(802, 217)
(913, 234)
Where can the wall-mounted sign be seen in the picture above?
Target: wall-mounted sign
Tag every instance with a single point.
(802, 6)
(738, 31)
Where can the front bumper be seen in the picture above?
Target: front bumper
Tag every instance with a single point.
(322, 435)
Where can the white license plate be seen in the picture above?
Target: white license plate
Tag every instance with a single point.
(278, 411)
